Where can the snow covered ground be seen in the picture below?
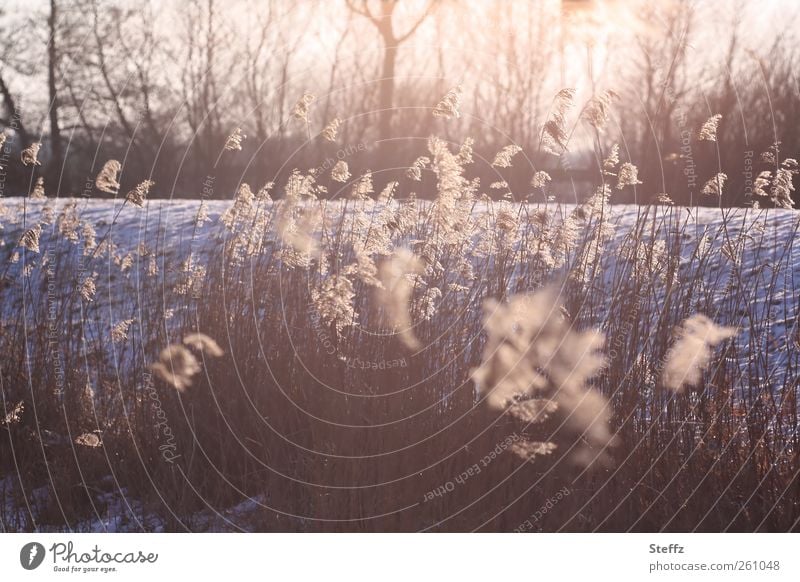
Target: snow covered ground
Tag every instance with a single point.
(769, 269)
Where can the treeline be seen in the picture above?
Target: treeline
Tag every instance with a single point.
(161, 85)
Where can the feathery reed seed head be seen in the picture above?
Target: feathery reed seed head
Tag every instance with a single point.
(691, 354)
(30, 155)
(106, 180)
(234, 141)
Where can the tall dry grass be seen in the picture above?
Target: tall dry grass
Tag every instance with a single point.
(386, 364)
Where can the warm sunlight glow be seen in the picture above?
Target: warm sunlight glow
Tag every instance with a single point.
(407, 266)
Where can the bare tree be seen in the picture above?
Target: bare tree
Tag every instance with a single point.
(202, 70)
(57, 178)
(382, 19)
(13, 117)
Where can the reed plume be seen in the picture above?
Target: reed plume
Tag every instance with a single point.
(329, 133)
(503, 158)
(233, 143)
(535, 365)
(340, 172)
(553, 138)
(448, 106)
(715, 186)
(30, 240)
(106, 180)
(302, 107)
(38, 190)
(138, 195)
(708, 132)
(176, 366)
(203, 344)
(393, 294)
(30, 155)
(691, 354)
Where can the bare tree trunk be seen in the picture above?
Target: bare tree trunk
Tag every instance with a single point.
(14, 116)
(102, 66)
(391, 43)
(282, 98)
(58, 179)
(87, 127)
(386, 92)
(334, 69)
